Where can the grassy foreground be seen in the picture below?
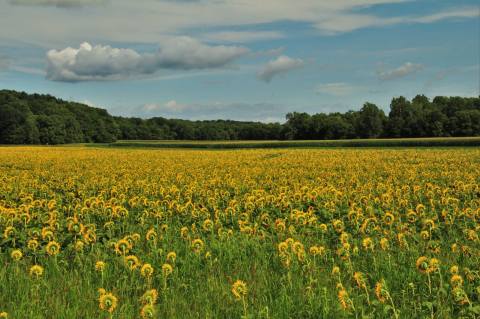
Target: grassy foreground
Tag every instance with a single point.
(407, 142)
(309, 233)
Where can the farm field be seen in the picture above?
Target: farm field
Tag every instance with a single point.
(265, 233)
(398, 142)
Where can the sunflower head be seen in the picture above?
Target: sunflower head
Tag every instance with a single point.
(107, 302)
(146, 270)
(32, 244)
(422, 264)
(149, 297)
(148, 311)
(100, 266)
(380, 291)
(151, 235)
(132, 262)
(456, 280)
(172, 256)
(167, 269)
(53, 248)
(239, 289)
(36, 271)
(16, 255)
(197, 245)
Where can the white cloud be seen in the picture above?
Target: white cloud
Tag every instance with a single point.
(144, 21)
(347, 22)
(265, 112)
(335, 89)
(280, 65)
(402, 71)
(170, 106)
(243, 36)
(90, 63)
(58, 3)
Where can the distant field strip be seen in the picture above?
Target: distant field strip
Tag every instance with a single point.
(412, 142)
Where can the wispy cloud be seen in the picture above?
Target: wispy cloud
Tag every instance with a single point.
(58, 3)
(399, 72)
(282, 64)
(336, 89)
(243, 36)
(347, 22)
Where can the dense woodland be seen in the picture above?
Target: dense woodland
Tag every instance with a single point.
(44, 119)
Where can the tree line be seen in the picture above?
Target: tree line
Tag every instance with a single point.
(44, 119)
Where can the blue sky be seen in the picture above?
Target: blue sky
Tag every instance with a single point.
(239, 59)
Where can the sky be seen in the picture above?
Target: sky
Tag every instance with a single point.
(239, 59)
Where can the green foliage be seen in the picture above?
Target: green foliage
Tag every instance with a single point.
(44, 119)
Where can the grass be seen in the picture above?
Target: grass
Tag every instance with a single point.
(411, 142)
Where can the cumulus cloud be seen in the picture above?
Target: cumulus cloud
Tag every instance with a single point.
(280, 65)
(243, 36)
(58, 3)
(402, 71)
(335, 89)
(90, 63)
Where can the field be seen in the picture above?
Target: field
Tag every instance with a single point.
(264, 233)
(398, 142)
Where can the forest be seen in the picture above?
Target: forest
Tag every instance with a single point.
(44, 119)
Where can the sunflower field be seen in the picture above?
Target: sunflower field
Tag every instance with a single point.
(293, 233)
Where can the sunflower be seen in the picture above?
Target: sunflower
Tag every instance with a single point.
(100, 266)
(151, 235)
(148, 311)
(367, 243)
(107, 302)
(384, 244)
(456, 280)
(167, 270)
(336, 271)
(8, 232)
(388, 219)
(239, 289)
(32, 244)
(282, 247)
(197, 245)
(123, 246)
(79, 245)
(422, 264)
(454, 270)
(460, 296)
(207, 225)
(53, 248)
(184, 232)
(359, 279)
(433, 265)
(16, 254)
(172, 256)
(36, 270)
(132, 262)
(149, 297)
(380, 291)
(146, 270)
(343, 298)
